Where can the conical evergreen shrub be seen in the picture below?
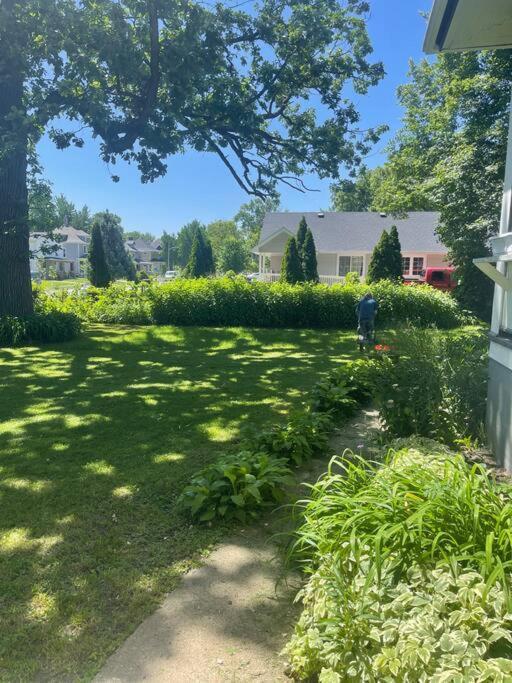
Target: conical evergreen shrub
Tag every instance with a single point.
(291, 267)
(99, 274)
(309, 261)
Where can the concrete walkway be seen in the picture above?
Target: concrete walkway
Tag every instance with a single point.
(229, 619)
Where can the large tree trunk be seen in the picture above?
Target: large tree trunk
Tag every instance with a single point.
(15, 284)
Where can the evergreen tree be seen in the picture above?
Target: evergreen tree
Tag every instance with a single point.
(119, 262)
(291, 267)
(209, 262)
(98, 270)
(309, 262)
(301, 237)
(378, 269)
(200, 262)
(394, 255)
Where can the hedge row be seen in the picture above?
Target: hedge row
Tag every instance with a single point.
(48, 326)
(235, 302)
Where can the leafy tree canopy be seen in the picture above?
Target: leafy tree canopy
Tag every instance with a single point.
(219, 232)
(151, 79)
(449, 156)
(249, 218)
(233, 255)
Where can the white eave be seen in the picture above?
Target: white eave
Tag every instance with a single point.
(271, 237)
(456, 25)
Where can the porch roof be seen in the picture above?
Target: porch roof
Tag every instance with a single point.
(469, 25)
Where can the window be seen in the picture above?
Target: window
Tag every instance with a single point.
(437, 276)
(406, 265)
(356, 265)
(417, 265)
(350, 264)
(344, 266)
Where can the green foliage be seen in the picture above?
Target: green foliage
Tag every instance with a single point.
(353, 195)
(386, 260)
(249, 218)
(352, 278)
(236, 486)
(201, 257)
(433, 385)
(233, 256)
(309, 262)
(184, 240)
(291, 266)
(409, 570)
(450, 156)
(119, 263)
(394, 255)
(47, 326)
(301, 237)
(98, 271)
(299, 440)
(434, 627)
(235, 302)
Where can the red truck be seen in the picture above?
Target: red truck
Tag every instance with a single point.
(440, 278)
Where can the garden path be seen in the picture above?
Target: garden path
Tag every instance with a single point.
(228, 619)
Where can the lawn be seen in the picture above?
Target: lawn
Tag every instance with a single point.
(97, 438)
(52, 286)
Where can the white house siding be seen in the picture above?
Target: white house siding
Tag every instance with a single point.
(275, 263)
(327, 264)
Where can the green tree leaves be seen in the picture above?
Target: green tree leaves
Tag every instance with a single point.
(386, 260)
(291, 266)
(99, 274)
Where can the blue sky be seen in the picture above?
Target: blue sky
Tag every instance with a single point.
(198, 185)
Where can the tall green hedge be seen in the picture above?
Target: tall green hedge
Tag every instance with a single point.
(235, 302)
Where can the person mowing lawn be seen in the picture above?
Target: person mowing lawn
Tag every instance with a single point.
(366, 311)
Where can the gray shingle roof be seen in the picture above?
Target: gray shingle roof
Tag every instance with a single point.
(359, 230)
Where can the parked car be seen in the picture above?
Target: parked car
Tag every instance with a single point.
(171, 274)
(252, 277)
(440, 278)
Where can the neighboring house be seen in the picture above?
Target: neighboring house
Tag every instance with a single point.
(48, 258)
(345, 241)
(148, 256)
(474, 25)
(65, 253)
(75, 244)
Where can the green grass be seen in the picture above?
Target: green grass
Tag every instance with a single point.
(97, 438)
(59, 285)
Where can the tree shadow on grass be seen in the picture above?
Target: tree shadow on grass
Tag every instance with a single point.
(97, 438)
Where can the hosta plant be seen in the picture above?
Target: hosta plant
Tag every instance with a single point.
(432, 627)
(300, 439)
(236, 486)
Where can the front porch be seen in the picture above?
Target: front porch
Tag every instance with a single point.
(324, 279)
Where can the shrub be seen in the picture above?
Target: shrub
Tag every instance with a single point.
(50, 326)
(235, 302)
(236, 486)
(435, 626)
(225, 301)
(305, 435)
(433, 385)
(409, 571)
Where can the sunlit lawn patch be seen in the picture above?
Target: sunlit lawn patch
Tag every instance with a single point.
(97, 438)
